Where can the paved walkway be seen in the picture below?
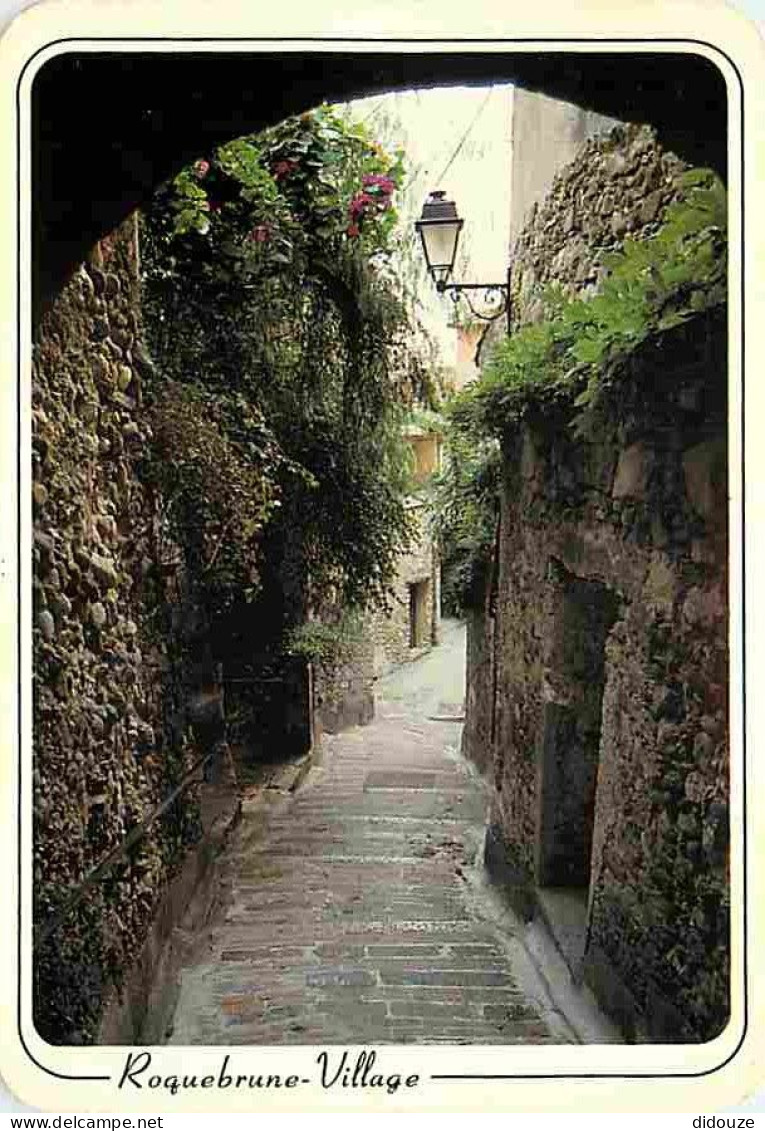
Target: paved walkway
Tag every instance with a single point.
(353, 914)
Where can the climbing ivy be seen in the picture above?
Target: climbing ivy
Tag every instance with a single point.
(329, 644)
(576, 353)
(573, 359)
(275, 324)
(464, 500)
(219, 481)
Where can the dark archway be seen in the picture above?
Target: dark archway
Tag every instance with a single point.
(107, 128)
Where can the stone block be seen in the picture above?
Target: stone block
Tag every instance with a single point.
(633, 472)
(506, 871)
(339, 976)
(705, 469)
(661, 586)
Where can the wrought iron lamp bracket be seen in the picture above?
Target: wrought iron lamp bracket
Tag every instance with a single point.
(494, 293)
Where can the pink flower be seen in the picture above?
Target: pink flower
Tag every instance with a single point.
(354, 231)
(360, 201)
(377, 180)
(284, 168)
(201, 168)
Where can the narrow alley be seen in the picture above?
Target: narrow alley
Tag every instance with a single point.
(353, 913)
(341, 346)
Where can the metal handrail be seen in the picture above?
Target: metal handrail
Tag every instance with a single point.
(134, 836)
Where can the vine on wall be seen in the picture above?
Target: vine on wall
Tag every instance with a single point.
(575, 358)
(576, 352)
(273, 315)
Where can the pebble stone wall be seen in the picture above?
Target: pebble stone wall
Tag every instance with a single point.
(126, 697)
(108, 739)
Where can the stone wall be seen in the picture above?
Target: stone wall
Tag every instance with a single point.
(617, 185)
(480, 688)
(597, 700)
(392, 632)
(597, 669)
(115, 688)
(546, 135)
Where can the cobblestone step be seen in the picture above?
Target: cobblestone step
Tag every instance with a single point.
(350, 916)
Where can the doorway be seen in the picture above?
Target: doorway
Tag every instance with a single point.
(419, 614)
(583, 614)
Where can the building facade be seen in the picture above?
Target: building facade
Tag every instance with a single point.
(410, 625)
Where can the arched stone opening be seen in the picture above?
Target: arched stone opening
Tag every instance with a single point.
(149, 144)
(107, 128)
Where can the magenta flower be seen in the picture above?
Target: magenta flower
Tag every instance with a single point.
(201, 168)
(373, 198)
(360, 202)
(377, 180)
(284, 168)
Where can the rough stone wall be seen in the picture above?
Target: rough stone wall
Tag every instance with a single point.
(546, 134)
(106, 682)
(659, 888)
(466, 369)
(343, 692)
(643, 525)
(617, 185)
(391, 632)
(607, 718)
(478, 729)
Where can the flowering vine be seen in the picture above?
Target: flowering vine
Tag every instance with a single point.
(313, 180)
(268, 306)
(373, 198)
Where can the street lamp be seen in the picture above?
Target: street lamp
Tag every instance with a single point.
(439, 228)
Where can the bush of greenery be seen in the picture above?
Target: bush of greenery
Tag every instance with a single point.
(574, 359)
(464, 511)
(328, 644)
(274, 320)
(576, 353)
